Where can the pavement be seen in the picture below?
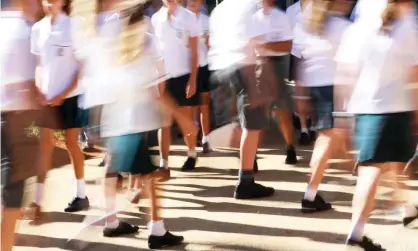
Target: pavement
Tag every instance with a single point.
(199, 205)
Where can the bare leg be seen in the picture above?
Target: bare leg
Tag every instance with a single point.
(205, 113)
(364, 199)
(8, 227)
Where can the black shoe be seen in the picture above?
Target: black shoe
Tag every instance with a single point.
(167, 240)
(190, 164)
(206, 148)
(408, 220)
(291, 158)
(255, 165)
(318, 205)
(252, 191)
(103, 163)
(312, 135)
(304, 139)
(78, 204)
(122, 229)
(366, 244)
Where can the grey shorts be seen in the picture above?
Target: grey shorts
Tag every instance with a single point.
(283, 100)
(12, 190)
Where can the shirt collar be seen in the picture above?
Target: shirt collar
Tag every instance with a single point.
(58, 19)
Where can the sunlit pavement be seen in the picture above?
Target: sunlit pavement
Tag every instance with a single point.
(199, 205)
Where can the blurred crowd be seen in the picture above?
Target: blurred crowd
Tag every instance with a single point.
(113, 72)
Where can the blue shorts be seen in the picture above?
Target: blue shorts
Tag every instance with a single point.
(323, 106)
(384, 138)
(130, 154)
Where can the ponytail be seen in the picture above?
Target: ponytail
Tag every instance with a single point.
(132, 37)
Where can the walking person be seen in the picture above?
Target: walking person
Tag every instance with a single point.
(58, 91)
(319, 38)
(294, 13)
(177, 32)
(131, 108)
(203, 83)
(17, 72)
(278, 36)
(378, 57)
(232, 57)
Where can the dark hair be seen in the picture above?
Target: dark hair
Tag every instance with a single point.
(67, 7)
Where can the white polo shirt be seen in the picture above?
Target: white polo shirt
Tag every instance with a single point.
(128, 92)
(17, 62)
(203, 22)
(318, 67)
(231, 30)
(276, 28)
(173, 38)
(296, 16)
(53, 44)
(384, 62)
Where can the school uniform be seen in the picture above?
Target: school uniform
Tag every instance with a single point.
(233, 57)
(172, 36)
(276, 28)
(17, 73)
(317, 71)
(381, 102)
(204, 73)
(128, 96)
(53, 44)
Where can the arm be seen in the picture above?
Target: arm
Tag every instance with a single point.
(283, 46)
(193, 30)
(193, 45)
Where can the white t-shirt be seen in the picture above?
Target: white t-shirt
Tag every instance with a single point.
(318, 51)
(203, 22)
(297, 18)
(231, 30)
(384, 61)
(17, 62)
(128, 92)
(173, 38)
(276, 28)
(55, 48)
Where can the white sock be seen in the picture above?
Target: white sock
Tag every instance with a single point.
(192, 154)
(205, 139)
(304, 130)
(39, 193)
(156, 228)
(409, 211)
(357, 231)
(80, 189)
(310, 194)
(164, 163)
(312, 128)
(112, 225)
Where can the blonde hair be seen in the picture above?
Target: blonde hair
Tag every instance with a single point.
(316, 21)
(131, 40)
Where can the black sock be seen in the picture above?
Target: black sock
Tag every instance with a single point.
(245, 177)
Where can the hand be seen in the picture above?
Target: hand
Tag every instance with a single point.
(58, 100)
(191, 88)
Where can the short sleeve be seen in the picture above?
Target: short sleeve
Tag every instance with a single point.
(34, 45)
(413, 41)
(192, 25)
